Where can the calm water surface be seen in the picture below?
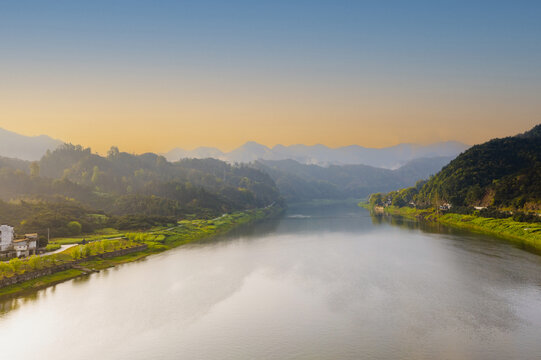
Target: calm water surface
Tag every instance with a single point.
(320, 283)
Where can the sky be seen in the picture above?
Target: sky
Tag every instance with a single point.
(153, 75)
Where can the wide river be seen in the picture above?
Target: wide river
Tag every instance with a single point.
(320, 283)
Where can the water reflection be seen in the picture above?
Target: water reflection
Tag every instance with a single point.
(319, 283)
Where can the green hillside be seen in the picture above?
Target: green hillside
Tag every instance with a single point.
(502, 173)
(501, 176)
(72, 183)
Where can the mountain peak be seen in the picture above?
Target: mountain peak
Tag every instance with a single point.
(390, 157)
(534, 132)
(25, 147)
(252, 145)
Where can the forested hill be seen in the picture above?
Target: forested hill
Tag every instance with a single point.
(150, 174)
(300, 182)
(503, 173)
(79, 182)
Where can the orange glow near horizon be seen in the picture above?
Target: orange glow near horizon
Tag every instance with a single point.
(141, 134)
(147, 124)
(155, 111)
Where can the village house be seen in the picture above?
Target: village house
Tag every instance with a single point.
(445, 206)
(27, 246)
(11, 247)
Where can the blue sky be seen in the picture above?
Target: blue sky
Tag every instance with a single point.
(342, 56)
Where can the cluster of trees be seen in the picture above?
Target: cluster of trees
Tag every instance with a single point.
(149, 174)
(99, 247)
(60, 218)
(400, 198)
(121, 190)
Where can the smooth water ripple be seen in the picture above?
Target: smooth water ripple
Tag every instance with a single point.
(320, 283)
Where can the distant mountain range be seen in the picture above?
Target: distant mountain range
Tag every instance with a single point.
(13, 145)
(18, 146)
(299, 172)
(390, 157)
(301, 182)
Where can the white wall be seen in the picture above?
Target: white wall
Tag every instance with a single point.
(6, 237)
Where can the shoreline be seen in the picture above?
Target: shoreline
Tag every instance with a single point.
(526, 235)
(187, 231)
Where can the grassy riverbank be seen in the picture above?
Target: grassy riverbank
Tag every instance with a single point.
(158, 240)
(39, 283)
(528, 235)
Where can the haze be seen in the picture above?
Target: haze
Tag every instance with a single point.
(150, 76)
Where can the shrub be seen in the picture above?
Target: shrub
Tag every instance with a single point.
(35, 262)
(75, 227)
(15, 264)
(75, 252)
(5, 269)
(523, 217)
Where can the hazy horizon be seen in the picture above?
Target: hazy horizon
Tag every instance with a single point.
(175, 146)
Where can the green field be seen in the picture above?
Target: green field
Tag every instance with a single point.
(109, 234)
(52, 247)
(192, 230)
(527, 234)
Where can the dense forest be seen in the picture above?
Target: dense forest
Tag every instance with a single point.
(73, 184)
(501, 175)
(300, 182)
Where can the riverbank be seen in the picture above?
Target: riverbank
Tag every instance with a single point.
(155, 241)
(526, 235)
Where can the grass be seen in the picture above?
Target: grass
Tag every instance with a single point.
(93, 237)
(364, 204)
(100, 234)
(40, 283)
(412, 213)
(528, 235)
(52, 247)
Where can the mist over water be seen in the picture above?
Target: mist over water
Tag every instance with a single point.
(327, 282)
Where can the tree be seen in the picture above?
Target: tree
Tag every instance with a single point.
(74, 227)
(95, 174)
(34, 169)
(113, 152)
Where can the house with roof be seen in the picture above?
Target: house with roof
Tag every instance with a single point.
(27, 246)
(11, 247)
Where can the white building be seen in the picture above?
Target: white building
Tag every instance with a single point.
(25, 247)
(11, 247)
(6, 237)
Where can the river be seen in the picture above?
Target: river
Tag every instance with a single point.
(327, 282)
